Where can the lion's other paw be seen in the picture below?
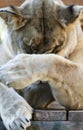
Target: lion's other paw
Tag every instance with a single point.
(15, 111)
(17, 117)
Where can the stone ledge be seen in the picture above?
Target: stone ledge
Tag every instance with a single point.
(50, 115)
(75, 115)
(57, 125)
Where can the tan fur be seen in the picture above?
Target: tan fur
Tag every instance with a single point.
(36, 27)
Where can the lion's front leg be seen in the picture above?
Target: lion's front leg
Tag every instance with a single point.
(63, 75)
(23, 70)
(14, 110)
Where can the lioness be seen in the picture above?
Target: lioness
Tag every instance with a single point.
(40, 26)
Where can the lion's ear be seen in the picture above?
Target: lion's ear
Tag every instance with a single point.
(69, 14)
(12, 17)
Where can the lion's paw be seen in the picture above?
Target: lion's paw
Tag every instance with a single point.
(18, 117)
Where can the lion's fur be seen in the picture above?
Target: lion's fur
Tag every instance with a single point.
(36, 27)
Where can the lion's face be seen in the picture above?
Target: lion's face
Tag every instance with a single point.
(40, 26)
